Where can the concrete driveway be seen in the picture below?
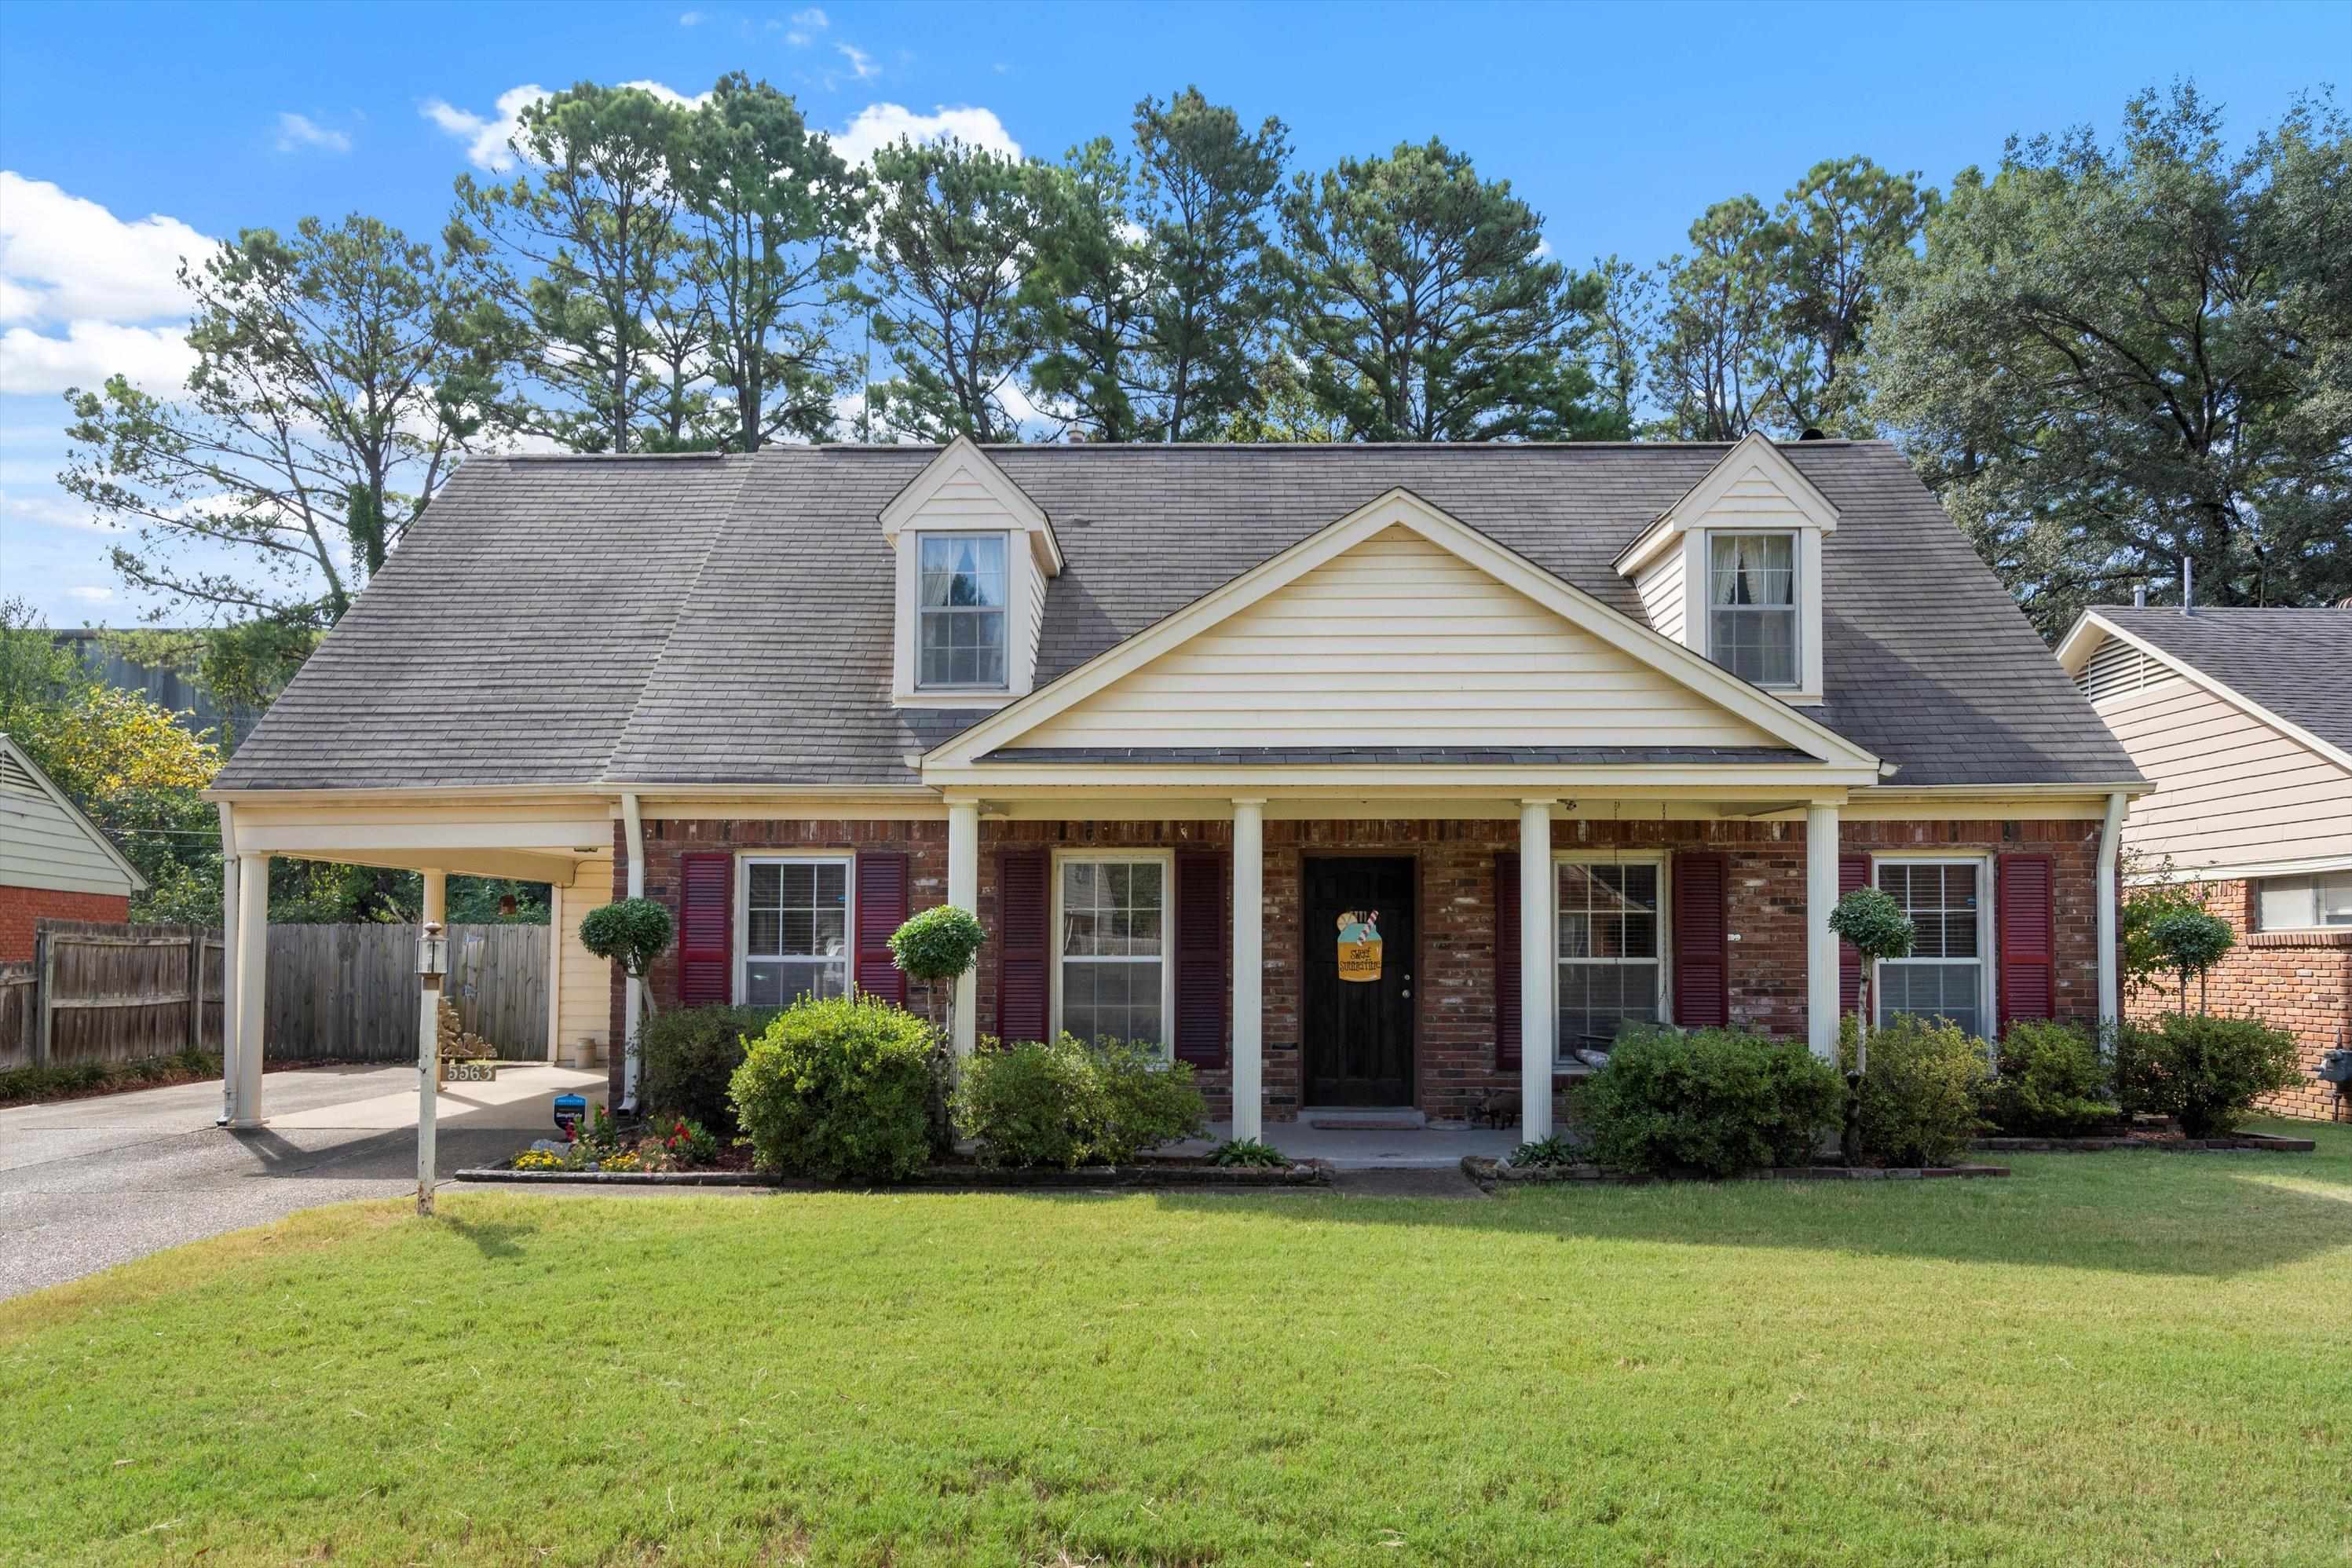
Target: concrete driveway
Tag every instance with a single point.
(88, 1183)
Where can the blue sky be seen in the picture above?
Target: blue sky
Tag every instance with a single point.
(132, 132)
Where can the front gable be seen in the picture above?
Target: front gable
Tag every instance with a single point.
(1398, 627)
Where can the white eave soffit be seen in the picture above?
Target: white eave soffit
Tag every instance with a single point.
(1401, 507)
(1753, 454)
(962, 456)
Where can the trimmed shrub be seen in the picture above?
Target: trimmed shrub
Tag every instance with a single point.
(1716, 1101)
(688, 1059)
(839, 1088)
(938, 944)
(1247, 1151)
(2050, 1083)
(1548, 1153)
(1068, 1104)
(1919, 1090)
(2205, 1072)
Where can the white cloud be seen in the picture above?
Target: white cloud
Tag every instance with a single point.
(90, 593)
(66, 258)
(487, 138)
(157, 359)
(813, 19)
(797, 40)
(296, 131)
(692, 18)
(861, 64)
(882, 124)
(49, 508)
(1542, 250)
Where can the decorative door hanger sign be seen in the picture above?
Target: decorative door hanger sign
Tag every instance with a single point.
(1360, 945)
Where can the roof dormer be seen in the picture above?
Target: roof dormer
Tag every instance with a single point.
(974, 555)
(1733, 570)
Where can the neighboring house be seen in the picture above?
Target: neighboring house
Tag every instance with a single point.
(176, 691)
(1586, 734)
(55, 863)
(2243, 720)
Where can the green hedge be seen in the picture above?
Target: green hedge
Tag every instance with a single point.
(1716, 1101)
(687, 1058)
(1919, 1090)
(1068, 1103)
(2205, 1072)
(2050, 1083)
(839, 1089)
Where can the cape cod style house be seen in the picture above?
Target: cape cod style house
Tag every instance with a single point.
(1389, 776)
(2243, 718)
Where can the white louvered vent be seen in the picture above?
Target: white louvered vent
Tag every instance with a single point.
(2118, 668)
(13, 777)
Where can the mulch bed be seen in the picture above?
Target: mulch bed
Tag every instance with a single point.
(1165, 1171)
(1489, 1173)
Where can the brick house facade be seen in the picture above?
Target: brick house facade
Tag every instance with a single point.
(22, 908)
(2300, 981)
(1456, 1063)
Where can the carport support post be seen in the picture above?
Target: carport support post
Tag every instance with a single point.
(230, 913)
(252, 952)
(1536, 963)
(428, 1042)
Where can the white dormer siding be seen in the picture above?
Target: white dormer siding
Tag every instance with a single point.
(1753, 494)
(962, 493)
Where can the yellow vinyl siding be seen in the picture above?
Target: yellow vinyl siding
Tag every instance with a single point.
(2230, 789)
(583, 1008)
(1663, 595)
(1397, 641)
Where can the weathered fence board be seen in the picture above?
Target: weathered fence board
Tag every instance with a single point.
(117, 993)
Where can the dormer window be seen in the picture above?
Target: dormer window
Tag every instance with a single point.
(1752, 606)
(961, 634)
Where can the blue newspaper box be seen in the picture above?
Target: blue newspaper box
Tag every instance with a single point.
(570, 1112)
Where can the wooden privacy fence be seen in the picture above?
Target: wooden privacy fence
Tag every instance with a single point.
(117, 993)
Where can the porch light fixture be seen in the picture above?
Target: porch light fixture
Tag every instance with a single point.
(431, 951)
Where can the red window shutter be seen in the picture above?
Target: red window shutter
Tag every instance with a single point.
(1854, 872)
(1702, 941)
(1201, 890)
(2029, 937)
(706, 929)
(881, 910)
(1023, 913)
(1507, 959)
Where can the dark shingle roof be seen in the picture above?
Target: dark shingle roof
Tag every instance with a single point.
(729, 620)
(2295, 663)
(1418, 756)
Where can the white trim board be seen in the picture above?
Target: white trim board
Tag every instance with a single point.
(1399, 508)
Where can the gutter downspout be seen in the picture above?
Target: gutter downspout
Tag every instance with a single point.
(633, 1004)
(2110, 857)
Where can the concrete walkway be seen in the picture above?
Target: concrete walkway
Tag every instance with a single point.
(88, 1183)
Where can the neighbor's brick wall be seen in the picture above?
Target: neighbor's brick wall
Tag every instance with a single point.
(1454, 1039)
(21, 907)
(2300, 981)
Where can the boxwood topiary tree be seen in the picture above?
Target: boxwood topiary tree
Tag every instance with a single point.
(631, 933)
(939, 946)
(1878, 928)
(2191, 942)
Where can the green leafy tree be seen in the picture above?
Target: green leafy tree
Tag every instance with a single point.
(1281, 406)
(774, 214)
(1420, 300)
(583, 256)
(953, 237)
(1621, 317)
(1205, 185)
(1709, 360)
(1087, 292)
(2112, 359)
(1840, 233)
(2191, 941)
(1876, 925)
(340, 374)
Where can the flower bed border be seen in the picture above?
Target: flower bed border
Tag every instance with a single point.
(1489, 1172)
(2267, 1143)
(1147, 1174)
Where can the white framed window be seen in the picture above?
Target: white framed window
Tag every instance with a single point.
(1751, 596)
(1609, 925)
(792, 940)
(960, 584)
(2303, 903)
(1949, 971)
(1112, 974)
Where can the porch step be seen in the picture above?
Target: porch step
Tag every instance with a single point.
(1341, 1120)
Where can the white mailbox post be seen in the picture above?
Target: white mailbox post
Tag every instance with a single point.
(432, 963)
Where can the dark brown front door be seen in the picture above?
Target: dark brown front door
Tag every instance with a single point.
(1358, 993)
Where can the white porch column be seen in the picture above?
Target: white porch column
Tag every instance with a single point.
(2110, 975)
(1821, 943)
(229, 867)
(252, 950)
(428, 1048)
(632, 990)
(964, 891)
(1249, 969)
(1537, 1018)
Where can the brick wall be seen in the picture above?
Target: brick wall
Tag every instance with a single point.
(20, 907)
(1455, 1029)
(2300, 981)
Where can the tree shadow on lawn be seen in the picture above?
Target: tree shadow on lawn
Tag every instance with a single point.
(2140, 1217)
(496, 1241)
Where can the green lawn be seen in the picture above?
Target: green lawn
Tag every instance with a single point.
(2124, 1358)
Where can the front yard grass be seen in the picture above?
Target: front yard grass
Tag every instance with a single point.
(2120, 1358)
